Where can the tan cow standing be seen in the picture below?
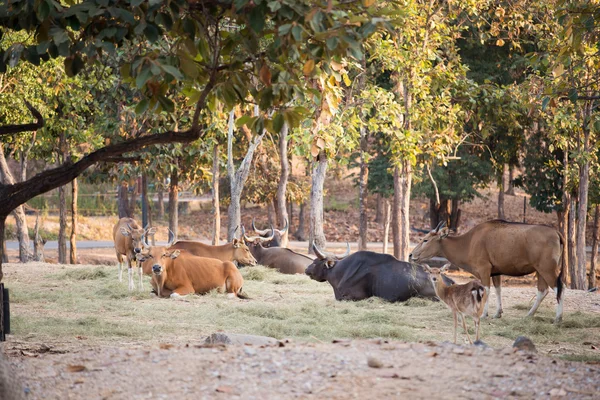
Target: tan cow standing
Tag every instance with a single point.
(496, 248)
(178, 273)
(128, 238)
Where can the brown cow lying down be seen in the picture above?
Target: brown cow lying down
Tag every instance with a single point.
(177, 273)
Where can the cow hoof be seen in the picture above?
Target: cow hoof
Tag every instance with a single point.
(175, 295)
(557, 321)
(498, 315)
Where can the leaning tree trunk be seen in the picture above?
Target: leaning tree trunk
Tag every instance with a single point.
(387, 213)
(216, 228)
(281, 210)
(315, 230)
(501, 214)
(123, 201)
(173, 203)
(18, 213)
(592, 277)
(62, 228)
(74, 223)
(362, 191)
(571, 231)
(400, 211)
(238, 178)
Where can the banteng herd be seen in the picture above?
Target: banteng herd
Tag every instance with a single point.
(488, 251)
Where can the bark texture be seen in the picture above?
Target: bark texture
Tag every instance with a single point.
(173, 202)
(594, 263)
(571, 239)
(74, 222)
(38, 242)
(123, 199)
(315, 230)
(387, 217)
(281, 209)
(362, 191)
(216, 211)
(400, 210)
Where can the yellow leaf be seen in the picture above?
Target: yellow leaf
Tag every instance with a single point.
(314, 151)
(558, 70)
(320, 143)
(368, 3)
(309, 66)
(265, 75)
(500, 42)
(347, 80)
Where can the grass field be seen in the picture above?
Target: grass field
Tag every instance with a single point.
(71, 305)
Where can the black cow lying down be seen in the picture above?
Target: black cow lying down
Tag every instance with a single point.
(367, 274)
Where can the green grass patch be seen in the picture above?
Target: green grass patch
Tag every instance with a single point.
(90, 301)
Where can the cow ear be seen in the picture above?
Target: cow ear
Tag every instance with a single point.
(330, 264)
(236, 243)
(426, 268)
(444, 232)
(175, 254)
(124, 232)
(445, 267)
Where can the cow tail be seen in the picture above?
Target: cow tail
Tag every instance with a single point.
(559, 279)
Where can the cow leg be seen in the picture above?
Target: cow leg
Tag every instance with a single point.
(541, 294)
(559, 306)
(120, 259)
(498, 287)
(550, 279)
(455, 324)
(140, 273)
(476, 322)
(485, 281)
(130, 272)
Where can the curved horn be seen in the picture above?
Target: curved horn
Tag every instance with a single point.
(321, 255)
(261, 232)
(285, 228)
(440, 226)
(270, 237)
(171, 238)
(347, 253)
(145, 240)
(130, 228)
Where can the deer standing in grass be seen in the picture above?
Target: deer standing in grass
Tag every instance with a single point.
(466, 299)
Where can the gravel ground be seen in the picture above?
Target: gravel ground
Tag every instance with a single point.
(346, 369)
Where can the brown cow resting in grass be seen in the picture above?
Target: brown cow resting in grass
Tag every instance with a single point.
(234, 251)
(496, 248)
(128, 237)
(178, 273)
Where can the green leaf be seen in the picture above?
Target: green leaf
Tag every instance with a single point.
(169, 69)
(142, 106)
(573, 95)
(43, 11)
(58, 35)
(297, 33)
(151, 33)
(256, 19)
(274, 5)
(239, 4)
(167, 103)
(188, 67)
(332, 43)
(136, 3)
(189, 27)
(125, 70)
(545, 103)
(278, 122)
(123, 14)
(284, 29)
(143, 77)
(245, 120)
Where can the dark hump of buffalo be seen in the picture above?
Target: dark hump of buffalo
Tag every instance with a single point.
(367, 274)
(284, 260)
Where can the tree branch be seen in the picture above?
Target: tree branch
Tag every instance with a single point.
(117, 159)
(12, 129)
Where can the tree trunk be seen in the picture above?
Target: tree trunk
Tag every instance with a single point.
(362, 191)
(3, 257)
(74, 222)
(238, 178)
(146, 209)
(62, 229)
(563, 217)
(38, 242)
(133, 199)
(281, 210)
(173, 202)
(379, 209)
(18, 213)
(400, 216)
(510, 187)
(592, 277)
(440, 212)
(386, 223)
(216, 228)
(571, 226)
(315, 229)
(501, 214)
(161, 202)
(455, 215)
(301, 231)
(270, 212)
(123, 201)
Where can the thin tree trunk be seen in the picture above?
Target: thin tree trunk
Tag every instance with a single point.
(281, 210)
(501, 214)
(3, 256)
(18, 213)
(571, 226)
(123, 201)
(74, 222)
(564, 217)
(216, 229)
(38, 241)
(146, 209)
(173, 203)
(386, 224)
(301, 231)
(379, 210)
(133, 199)
(270, 212)
(510, 187)
(238, 178)
(400, 213)
(62, 229)
(592, 277)
(315, 231)
(161, 201)
(362, 191)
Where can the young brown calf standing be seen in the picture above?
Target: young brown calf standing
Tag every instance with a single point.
(466, 299)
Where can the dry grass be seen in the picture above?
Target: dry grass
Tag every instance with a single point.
(63, 304)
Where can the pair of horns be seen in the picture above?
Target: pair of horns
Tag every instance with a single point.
(439, 226)
(324, 254)
(152, 231)
(263, 232)
(249, 239)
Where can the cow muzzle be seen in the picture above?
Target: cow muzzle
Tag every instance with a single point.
(157, 269)
(137, 250)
